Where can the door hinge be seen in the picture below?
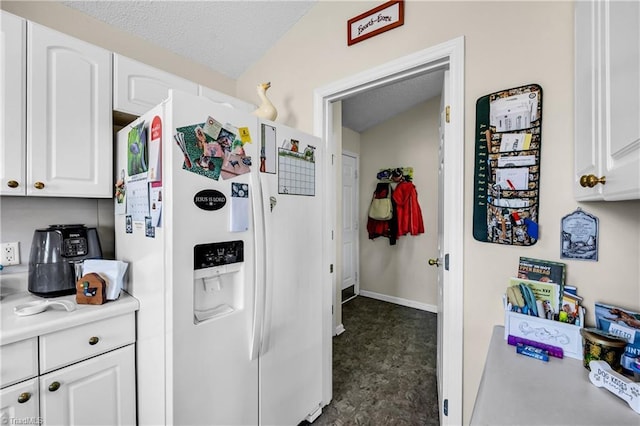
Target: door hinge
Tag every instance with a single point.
(356, 274)
(331, 268)
(355, 174)
(445, 408)
(446, 262)
(447, 112)
(332, 157)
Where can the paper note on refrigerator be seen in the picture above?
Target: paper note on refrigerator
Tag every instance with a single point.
(138, 199)
(239, 218)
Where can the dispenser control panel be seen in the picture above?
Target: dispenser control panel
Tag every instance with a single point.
(217, 254)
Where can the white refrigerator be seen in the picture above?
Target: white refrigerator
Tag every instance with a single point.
(218, 214)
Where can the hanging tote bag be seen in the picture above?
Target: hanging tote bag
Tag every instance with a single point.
(381, 208)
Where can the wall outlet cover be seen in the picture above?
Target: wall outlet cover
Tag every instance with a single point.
(10, 253)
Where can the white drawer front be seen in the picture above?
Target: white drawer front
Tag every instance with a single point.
(18, 361)
(75, 344)
(19, 403)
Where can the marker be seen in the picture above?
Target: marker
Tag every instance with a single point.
(510, 184)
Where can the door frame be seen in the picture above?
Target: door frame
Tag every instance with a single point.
(448, 54)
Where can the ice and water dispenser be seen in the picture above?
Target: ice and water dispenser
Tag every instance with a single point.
(217, 279)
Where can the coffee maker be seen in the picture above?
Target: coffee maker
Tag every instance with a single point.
(56, 258)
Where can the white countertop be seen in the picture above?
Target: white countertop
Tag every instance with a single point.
(519, 390)
(14, 328)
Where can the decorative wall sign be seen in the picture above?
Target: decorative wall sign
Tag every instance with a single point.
(375, 21)
(579, 236)
(210, 199)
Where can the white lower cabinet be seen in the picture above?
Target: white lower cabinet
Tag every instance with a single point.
(98, 391)
(19, 403)
(78, 375)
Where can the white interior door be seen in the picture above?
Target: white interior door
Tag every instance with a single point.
(444, 102)
(350, 261)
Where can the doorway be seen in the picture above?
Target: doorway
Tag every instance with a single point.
(448, 55)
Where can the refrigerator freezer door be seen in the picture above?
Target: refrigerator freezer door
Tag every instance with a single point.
(291, 356)
(213, 380)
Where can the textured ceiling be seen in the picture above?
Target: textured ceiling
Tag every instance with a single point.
(373, 107)
(229, 36)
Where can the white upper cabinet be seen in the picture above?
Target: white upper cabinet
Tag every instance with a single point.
(138, 87)
(56, 114)
(13, 136)
(607, 100)
(223, 99)
(69, 130)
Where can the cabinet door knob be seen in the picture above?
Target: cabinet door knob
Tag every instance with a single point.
(54, 386)
(434, 262)
(24, 397)
(93, 340)
(13, 184)
(591, 180)
(38, 185)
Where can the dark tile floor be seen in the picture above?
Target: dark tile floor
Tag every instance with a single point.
(384, 367)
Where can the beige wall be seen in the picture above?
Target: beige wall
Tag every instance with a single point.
(407, 140)
(350, 141)
(507, 44)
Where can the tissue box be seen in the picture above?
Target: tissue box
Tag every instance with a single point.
(112, 271)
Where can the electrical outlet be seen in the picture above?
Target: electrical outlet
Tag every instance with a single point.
(10, 254)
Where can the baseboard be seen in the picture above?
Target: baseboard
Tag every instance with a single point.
(400, 301)
(339, 330)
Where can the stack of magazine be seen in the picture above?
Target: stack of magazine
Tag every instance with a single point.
(540, 290)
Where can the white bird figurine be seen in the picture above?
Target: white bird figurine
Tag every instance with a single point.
(266, 109)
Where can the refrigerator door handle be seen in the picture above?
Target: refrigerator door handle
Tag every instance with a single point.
(267, 200)
(259, 266)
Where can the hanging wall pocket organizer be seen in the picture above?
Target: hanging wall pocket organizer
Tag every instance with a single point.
(507, 166)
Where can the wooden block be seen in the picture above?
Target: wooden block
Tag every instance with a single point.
(91, 290)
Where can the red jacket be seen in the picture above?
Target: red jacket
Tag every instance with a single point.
(408, 210)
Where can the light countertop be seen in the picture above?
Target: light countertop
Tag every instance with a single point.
(519, 390)
(14, 328)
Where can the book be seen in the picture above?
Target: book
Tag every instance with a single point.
(549, 293)
(542, 270)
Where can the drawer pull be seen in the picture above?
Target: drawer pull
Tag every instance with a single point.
(54, 386)
(24, 397)
(94, 340)
(13, 184)
(39, 185)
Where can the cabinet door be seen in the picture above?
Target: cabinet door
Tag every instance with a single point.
(138, 87)
(98, 391)
(587, 140)
(621, 146)
(19, 403)
(12, 104)
(226, 100)
(69, 135)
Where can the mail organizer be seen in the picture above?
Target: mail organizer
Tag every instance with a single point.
(555, 333)
(507, 166)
